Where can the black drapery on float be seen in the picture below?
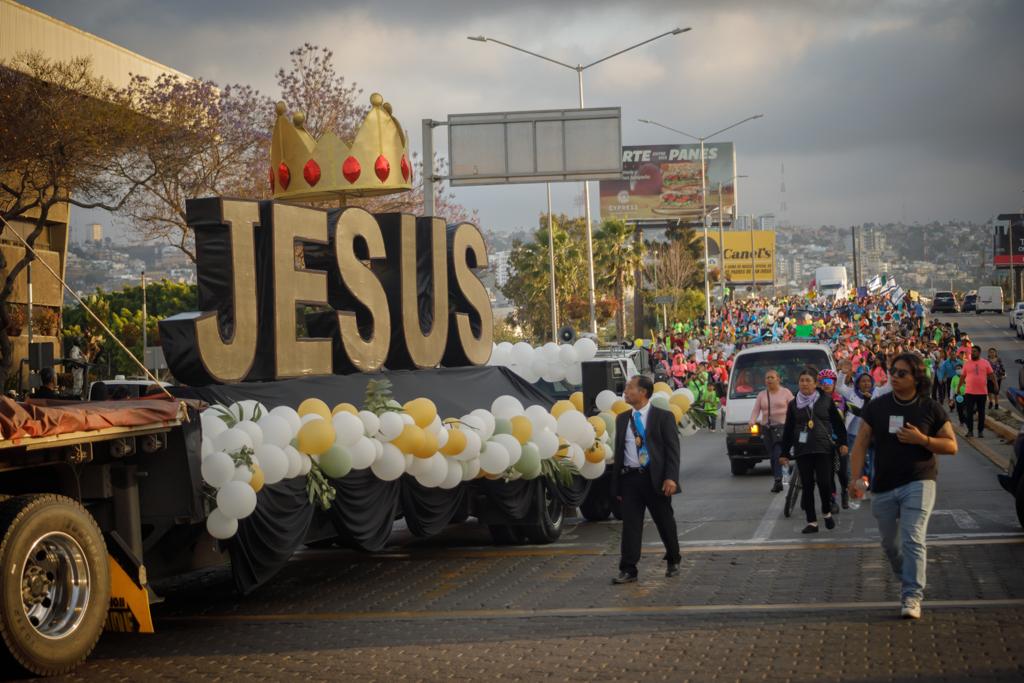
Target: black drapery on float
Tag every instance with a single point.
(365, 508)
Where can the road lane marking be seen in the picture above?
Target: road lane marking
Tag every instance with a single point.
(771, 516)
(416, 615)
(961, 518)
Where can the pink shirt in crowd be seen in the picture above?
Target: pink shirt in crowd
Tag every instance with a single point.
(976, 374)
(779, 401)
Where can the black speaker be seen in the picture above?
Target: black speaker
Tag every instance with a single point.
(40, 355)
(599, 375)
(566, 334)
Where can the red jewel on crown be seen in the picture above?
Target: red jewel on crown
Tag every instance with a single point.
(406, 169)
(311, 172)
(350, 169)
(284, 175)
(382, 168)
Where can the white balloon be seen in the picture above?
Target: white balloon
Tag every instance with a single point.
(290, 416)
(416, 466)
(435, 425)
(309, 417)
(507, 407)
(547, 443)
(472, 449)
(363, 453)
(605, 399)
(487, 419)
(609, 454)
(347, 428)
(470, 469)
(273, 462)
(540, 418)
(217, 469)
(574, 374)
(307, 464)
(407, 418)
(553, 372)
(391, 425)
(522, 353)
(220, 526)
(586, 349)
(232, 440)
(539, 364)
(253, 430)
(434, 472)
(550, 351)
(491, 360)
(566, 354)
(410, 462)
(294, 462)
(528, 374)
(371, 423)
(494, 458)
(514, 448)
(277, 431)
(378, 446)
(472, 424)
(390, 465)
(592, 470)
(454, 475)
(242, 474)
(212, 425)
(572, 426)
(576, 455)
(236, 500)
(207, 447)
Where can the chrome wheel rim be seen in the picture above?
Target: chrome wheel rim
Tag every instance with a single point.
(55, 585)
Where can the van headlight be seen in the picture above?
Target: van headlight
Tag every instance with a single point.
(754, 429)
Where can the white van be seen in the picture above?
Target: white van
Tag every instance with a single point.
(990, 298)
(746, 381)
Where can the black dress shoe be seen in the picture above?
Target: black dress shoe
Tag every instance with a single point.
(810, 529)
(777, 487)
(624, 577)
(830, 522)
(673, 569)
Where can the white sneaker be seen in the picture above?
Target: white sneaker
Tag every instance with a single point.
(911, 608)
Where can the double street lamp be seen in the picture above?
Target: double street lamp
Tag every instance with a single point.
(579, 69)
(703, 198)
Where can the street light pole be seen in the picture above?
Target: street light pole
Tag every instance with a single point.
(551, 264)
(579, 69)
(703, 201)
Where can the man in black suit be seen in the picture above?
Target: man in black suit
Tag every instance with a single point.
(645, 475)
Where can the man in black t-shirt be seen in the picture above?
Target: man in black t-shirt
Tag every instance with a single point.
(907, 429)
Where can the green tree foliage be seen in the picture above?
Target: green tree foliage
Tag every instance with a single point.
(619, 255)
(121, 311)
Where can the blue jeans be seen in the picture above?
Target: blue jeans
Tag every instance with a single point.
(904, 511)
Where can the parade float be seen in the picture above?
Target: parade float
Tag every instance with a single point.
(334, 380)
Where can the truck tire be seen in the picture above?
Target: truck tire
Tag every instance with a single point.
(56, 583)
(550, 517)
(597, 506)
(738, 467)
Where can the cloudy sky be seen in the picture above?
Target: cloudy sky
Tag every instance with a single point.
(881, 110)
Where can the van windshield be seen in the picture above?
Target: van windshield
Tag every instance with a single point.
(747, 377)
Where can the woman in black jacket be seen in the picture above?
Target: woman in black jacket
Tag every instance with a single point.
(814, 429)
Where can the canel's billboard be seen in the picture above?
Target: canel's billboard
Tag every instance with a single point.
(744, 250)
(662, 182)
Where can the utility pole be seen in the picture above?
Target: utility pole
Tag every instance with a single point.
(853, 245)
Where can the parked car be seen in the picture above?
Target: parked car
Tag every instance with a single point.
(970, 303)
(944, 302)
(1020, 327)
(1015, 314)
(744, 447)
(990, 298)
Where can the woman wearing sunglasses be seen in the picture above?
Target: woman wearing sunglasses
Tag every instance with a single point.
(907, 430)
(814, 429)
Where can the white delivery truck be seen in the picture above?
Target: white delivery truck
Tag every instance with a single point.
(831, 281)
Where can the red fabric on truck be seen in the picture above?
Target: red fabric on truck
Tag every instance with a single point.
(20, 420)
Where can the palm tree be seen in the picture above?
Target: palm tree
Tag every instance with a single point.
(619, 255)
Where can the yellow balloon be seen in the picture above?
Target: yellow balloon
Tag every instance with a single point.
(257, 478)
(599, 426)
(560, 407)
(422, 410)
(682, 401)
(563, 448)
(577, 400)
(677, 411)
(663, 387)
(522, 428)
(347, 407)
(594, 454)
(316, 436)
(456, 442)
(638, 343)
(410, 440)
(314, 406)
(620, 407)
(429, 446)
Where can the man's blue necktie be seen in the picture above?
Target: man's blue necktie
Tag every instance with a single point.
(641, 431)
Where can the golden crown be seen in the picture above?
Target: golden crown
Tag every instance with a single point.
(376, 163)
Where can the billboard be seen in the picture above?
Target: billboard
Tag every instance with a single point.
(1008, 240)
(743, 249)
(534, 146)
(662, 182)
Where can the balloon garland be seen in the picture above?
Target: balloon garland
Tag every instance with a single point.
(551, 362)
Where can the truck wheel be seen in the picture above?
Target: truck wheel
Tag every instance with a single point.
(56, 583)
(1020, 501)
(597, 506)
(550, 517)
(738, 467)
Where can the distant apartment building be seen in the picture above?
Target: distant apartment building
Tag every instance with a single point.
(96, 232)
(502, 267)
